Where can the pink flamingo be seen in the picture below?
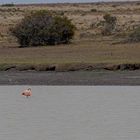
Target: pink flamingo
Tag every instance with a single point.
(27, 92)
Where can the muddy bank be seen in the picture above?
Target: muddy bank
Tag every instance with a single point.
(69, 67)
(99, 77)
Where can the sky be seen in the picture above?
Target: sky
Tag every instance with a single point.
(51, 1)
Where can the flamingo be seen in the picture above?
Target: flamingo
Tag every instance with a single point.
(27, 92)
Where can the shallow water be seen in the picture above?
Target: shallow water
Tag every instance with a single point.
(70, 113)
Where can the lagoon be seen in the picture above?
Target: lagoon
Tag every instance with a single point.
(70, 113)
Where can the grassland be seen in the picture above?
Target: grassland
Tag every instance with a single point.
(88, 50)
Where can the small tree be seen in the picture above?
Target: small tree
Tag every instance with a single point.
(43, 28)
(109, 24)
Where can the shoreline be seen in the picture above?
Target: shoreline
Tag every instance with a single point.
(70, 67)
(83, 78)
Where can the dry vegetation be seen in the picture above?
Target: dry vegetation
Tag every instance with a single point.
(88, 46)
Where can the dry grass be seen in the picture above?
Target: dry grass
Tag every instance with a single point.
(86, 20)
(79, 52)
(88, 46)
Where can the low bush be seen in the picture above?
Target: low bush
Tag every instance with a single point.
(135, 35)
(109, 24)
(93, 10)
(43, 28)
(8, 5)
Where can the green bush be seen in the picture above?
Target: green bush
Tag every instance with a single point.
(43, 28)
(135, 35)
(109, 24)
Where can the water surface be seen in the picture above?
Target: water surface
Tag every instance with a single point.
(70, 113)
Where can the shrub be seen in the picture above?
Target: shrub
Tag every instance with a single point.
(93, 10)
(8, 5)
(135, 35)
(43, 28)
(109, 24)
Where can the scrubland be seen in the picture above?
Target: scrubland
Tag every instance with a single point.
(88, 49)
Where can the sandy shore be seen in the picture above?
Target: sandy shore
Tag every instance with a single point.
(102, 77)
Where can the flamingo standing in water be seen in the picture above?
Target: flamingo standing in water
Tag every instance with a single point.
(27, 92)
